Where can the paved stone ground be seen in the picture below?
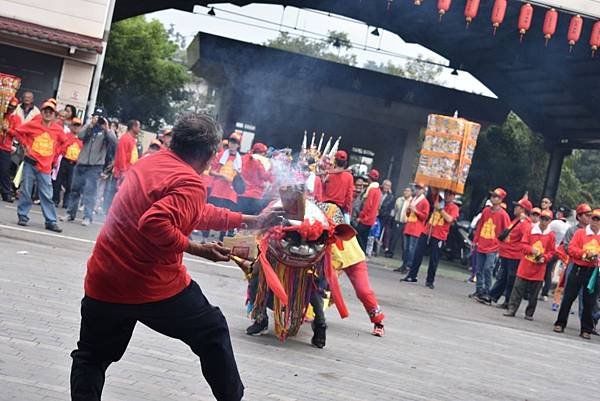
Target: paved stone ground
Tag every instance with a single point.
(439, 344)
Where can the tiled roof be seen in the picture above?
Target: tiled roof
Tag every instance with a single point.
(51, 35)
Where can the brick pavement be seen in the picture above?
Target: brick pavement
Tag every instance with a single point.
(439, 344)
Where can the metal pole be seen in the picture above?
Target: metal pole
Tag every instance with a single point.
(98, 70)
(557, 156)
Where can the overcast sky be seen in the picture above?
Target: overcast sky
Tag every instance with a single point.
(241, 23)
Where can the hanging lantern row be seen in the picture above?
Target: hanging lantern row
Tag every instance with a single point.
(524, 21)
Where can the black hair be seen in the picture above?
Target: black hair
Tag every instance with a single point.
(154, 146)
(73, 110)
(196, 137)
(131, 124)
(341, 163)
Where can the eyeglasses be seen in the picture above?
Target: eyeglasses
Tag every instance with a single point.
(596, 218)
(545, 201)
(535, 214)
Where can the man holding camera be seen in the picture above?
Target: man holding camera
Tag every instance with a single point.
(96, 138)
(42, 139)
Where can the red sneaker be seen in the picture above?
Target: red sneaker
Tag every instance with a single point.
(378, 330)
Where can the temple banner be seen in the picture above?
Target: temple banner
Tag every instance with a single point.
(9, 85)
(447, 152)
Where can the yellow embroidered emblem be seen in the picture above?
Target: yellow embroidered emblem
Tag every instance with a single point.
(488, 231)
(72, 152)
(134, 155)
(592, 246)
(436, 219)
(412, 217)
(43, 145)
(536, 246)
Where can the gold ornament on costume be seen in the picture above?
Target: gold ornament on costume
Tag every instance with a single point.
(43, 145)
(537, 246)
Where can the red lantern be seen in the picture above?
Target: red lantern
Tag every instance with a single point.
(550, 21)
(525, 17)
(443, 7)
(498, 13)
(471, 9)
(574, 32)
(595, 38)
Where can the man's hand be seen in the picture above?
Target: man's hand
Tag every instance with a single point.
(270, 216)
(214, 251)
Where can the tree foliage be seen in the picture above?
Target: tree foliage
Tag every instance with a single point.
(412, 69)
(328, 49)
(510, 156)
(580, 179)
(140, 78)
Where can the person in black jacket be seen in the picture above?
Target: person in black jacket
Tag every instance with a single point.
(386, 212)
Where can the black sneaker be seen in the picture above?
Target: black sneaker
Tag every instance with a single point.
(23, 221)
(502, 306)
(258, 328)
(53, 227)
(409, 279)
(528, 317)
(8, 199)
(430, 286)
(402, 270)
(484, 299)
(319, 336)
(509, 313)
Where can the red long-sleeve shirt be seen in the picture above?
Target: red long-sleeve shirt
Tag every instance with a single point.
(255, 176)
(339, 189)
(72, 147)
(6, 137)
(511, 247)
(544, 242)
(370, 210)
(223, 188)
(584, 241)
(415, 222)
(43, 142)
(125, 155)
(438, 226)
(489, 227)
(139, 251)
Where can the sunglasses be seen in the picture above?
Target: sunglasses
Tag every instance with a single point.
(535, 214)
(596, 218)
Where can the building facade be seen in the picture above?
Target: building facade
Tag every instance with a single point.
(55, 47)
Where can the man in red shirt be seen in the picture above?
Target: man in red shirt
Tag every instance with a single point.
(493, 221)
(416, 216)
(126, 154)
(256, 178)
(338, 185)
(584, 250)
(11, 122)
(510, 252)
(135, 272)
(436, 232)
(42, 139)
(370, 209)
(537, 247)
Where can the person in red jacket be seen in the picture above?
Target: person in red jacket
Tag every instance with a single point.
(494, 220)
(370, 209)
(256, 178)
(42, 139)
(70, 151)
(510, 252)
(537, 247)
(584, 250)
(338, 185)
(417, 213)
(11, 122)
(136, 271)
(126, 154)
(435, 233)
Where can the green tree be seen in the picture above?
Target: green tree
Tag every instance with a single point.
(510, 156)
(328, 49)
(140, 78)
(412, 69)
(580, 179)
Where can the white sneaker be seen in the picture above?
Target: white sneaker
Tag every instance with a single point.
(86, 222)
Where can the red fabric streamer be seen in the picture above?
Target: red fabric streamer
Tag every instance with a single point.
(270, 276)
(334, 286)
